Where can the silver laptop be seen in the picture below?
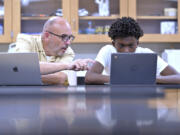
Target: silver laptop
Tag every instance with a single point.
(133, 68)
(19, 69)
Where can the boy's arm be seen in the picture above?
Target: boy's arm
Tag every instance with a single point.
(94, 75)
(169, 76)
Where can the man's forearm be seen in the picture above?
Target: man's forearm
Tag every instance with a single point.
(55, 78)
(48, 68)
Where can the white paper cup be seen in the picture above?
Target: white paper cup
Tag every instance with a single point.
(72, 77)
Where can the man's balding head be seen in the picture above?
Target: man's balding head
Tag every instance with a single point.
(52, 36)
(55, 22)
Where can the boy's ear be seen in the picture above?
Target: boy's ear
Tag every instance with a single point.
(113, 43)
(138, 42)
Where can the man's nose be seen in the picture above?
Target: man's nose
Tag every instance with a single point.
(68, 42)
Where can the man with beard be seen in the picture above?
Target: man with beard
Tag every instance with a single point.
(53, 50)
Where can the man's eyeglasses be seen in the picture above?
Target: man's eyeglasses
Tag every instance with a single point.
(64, 37)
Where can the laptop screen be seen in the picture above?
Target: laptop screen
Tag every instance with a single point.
(133, 68)
(19, 69)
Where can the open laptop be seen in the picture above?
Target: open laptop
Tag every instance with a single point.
(133, 68)
(19, 69)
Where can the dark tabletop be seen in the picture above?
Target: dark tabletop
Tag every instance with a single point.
(90, 109)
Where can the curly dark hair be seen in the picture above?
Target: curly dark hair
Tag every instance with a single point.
(125, 27)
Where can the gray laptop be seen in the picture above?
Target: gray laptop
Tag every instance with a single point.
(133, 68)
(19, 69)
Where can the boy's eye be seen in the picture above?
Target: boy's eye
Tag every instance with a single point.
(131, 46)
(121, 46)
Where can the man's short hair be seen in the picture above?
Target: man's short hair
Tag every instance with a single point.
(125, 27)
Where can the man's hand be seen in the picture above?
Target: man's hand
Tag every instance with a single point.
(80, 64)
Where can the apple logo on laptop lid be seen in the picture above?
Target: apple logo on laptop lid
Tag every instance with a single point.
(15, 69)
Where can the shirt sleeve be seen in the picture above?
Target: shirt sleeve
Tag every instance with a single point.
(23, 43)
(161, 65)
(104, 56)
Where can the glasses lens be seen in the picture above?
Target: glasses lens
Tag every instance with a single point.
(71, 38)
(66, 38)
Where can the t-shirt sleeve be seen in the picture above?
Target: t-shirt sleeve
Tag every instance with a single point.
(103, 56)
(161, 65)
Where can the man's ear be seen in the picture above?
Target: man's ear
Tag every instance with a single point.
(46, 34)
